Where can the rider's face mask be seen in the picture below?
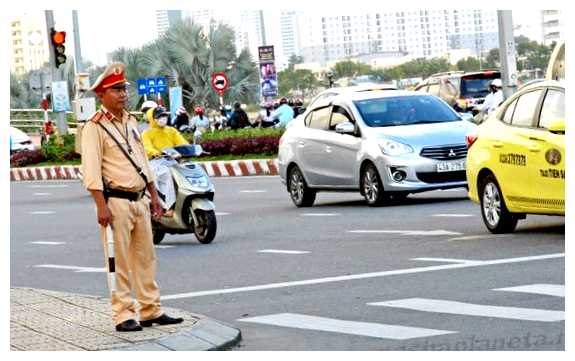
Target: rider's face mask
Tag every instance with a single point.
(162, 121)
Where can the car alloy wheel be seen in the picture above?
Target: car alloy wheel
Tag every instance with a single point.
(496, 216)
(372, 187)
(300, 193)
(491, 204)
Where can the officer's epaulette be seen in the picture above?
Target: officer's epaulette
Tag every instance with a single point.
(96, 117)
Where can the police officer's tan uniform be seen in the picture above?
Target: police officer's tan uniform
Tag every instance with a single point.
(104, 165)
(134, 248)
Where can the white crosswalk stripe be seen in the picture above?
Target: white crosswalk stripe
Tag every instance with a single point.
(469, 309)
(540, 289)
(370, 329)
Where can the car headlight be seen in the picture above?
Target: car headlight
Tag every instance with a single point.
(199, 182)
(393, 148)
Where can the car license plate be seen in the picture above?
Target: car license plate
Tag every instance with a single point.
(451, 166)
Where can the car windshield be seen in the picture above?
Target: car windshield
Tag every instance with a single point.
(477, 86)
(404, 110)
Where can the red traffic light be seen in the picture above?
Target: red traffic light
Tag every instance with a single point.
(58, 37)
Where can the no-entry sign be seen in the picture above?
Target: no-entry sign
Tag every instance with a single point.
(220, 82)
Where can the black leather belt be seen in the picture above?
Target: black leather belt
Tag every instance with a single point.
(116, 193)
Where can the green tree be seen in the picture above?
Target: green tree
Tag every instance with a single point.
(348, 68)
(468, 64)
(301, 80)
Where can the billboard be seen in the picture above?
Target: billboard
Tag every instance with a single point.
(268, 74)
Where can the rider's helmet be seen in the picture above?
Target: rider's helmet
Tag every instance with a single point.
(148, 104)
(199, 110)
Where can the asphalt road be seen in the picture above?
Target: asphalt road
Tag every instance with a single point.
(423, 274)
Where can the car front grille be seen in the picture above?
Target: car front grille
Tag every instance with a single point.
(443, 177)
(449, 152)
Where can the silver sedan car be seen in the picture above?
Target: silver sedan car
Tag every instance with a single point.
(385, 143)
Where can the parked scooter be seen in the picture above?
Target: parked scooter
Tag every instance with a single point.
(194, 210)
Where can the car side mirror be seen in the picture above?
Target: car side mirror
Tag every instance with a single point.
(557, 126)
(345, 128)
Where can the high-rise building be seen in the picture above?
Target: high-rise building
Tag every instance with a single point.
(419, 33)
(29, 43)
(165, 19)
(552, 24)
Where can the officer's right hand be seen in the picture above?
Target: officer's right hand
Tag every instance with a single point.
(104, 216)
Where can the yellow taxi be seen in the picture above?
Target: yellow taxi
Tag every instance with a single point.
(516, 158)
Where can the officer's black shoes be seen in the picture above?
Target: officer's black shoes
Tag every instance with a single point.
(162, 320)
(128, 326)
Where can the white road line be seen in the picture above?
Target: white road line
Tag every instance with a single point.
(254, 191)
(282, 251)
(479, 236)
(470, 309)
(320, 214)
(164, 247)
(41, 212)
(444, 260)
(77, 269)
(361, 276)
(453, 215)
(438, 232)
(369, 329)
(48, 243)
(540, 289)
(222, 213)
(42, 194)
(49, 186)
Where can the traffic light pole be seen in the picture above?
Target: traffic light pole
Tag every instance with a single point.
(56, 75)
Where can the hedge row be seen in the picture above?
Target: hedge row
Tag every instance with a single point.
(237, 145)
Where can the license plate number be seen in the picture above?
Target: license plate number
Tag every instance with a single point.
(451, 166)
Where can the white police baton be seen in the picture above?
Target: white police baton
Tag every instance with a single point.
(111, 259)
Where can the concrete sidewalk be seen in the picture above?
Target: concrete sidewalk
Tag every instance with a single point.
(231, 168)
(43, 320)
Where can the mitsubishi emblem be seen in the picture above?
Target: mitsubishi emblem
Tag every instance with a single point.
(451, 153)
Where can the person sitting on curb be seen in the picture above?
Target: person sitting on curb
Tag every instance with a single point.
(155, 139)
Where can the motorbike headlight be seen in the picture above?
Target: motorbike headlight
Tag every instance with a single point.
(393, 148)
(199, 182)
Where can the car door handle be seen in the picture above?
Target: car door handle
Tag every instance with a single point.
(328, 149)
(497, 144)
(301, 143)
(536, 139)
(534, 148)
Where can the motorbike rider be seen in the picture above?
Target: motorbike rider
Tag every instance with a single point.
(156, 138)
(493, 99)
(199, 124)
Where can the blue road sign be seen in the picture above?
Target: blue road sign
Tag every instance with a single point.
(142, 87)
(151, 82)
(152, 90)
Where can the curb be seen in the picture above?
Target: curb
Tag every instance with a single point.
(42, 320)
(232, 168)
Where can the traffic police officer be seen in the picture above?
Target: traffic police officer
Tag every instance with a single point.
(118, 189)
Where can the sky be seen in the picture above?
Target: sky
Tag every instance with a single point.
(134, 31)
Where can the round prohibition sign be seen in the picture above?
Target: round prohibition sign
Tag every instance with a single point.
(220, 82)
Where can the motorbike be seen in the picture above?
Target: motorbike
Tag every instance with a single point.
(194, 210)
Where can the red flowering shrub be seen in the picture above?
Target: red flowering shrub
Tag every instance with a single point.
(240, 146)
(26, 157)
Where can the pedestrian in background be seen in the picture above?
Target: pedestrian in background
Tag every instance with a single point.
(117, 173)
(199, 124)
(239, 118)
(284, 113)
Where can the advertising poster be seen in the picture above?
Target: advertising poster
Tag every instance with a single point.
(268, 74)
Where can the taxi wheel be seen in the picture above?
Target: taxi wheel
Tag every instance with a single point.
(372, 187)
(496, 216)
(301, 195)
